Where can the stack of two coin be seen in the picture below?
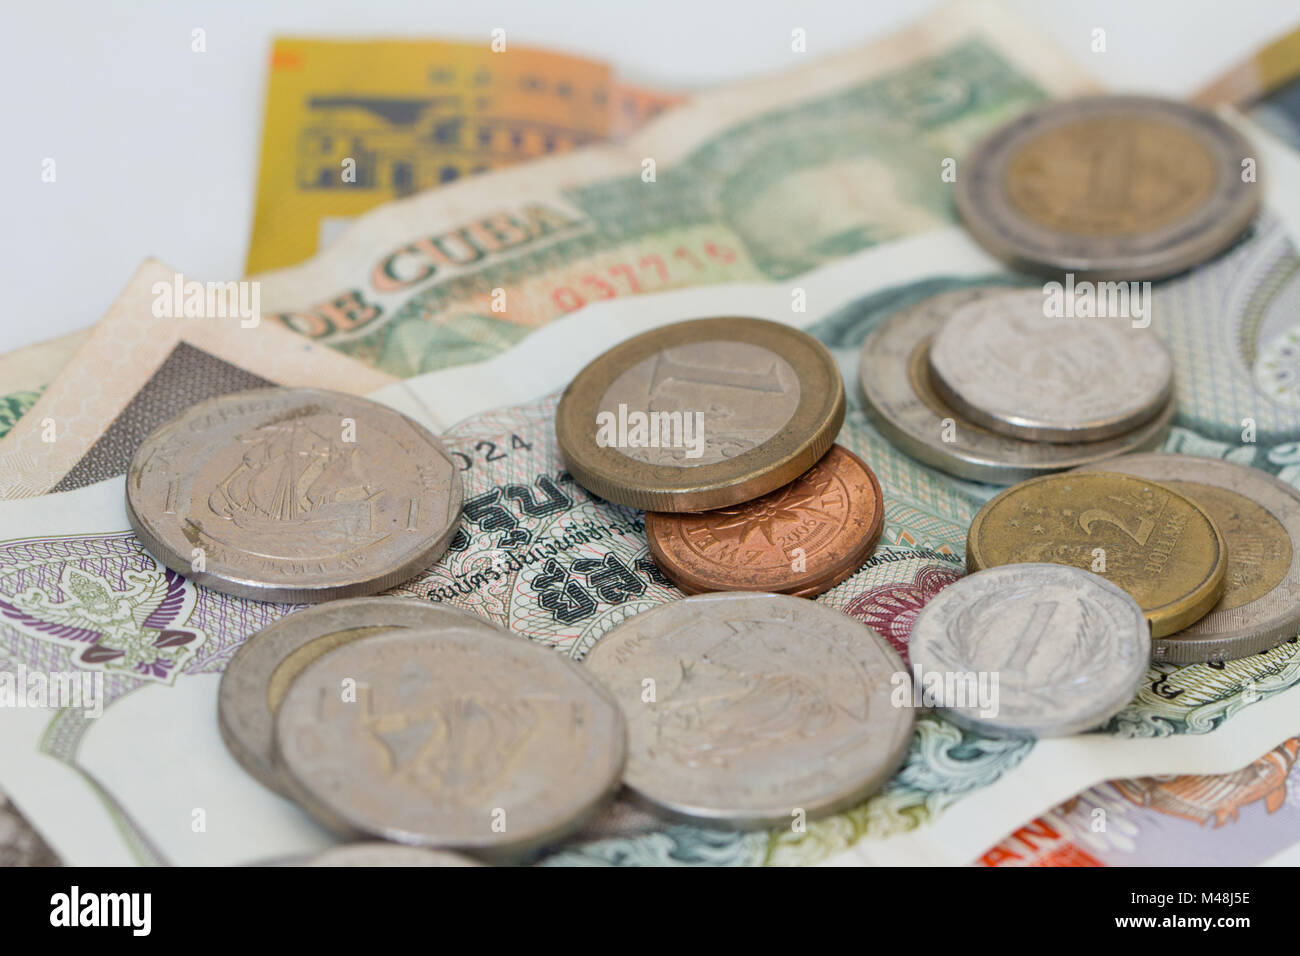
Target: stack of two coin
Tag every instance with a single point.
(723, 431)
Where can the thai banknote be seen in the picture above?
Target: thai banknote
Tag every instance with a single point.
(1266, 87)
(760, 181)
(1249, 816)
(351, 124)
(540, 555)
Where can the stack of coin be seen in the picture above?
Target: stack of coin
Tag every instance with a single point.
(722, 429)
(392, 719)
(987, 384)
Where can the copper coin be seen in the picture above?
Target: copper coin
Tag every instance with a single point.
(802, 539)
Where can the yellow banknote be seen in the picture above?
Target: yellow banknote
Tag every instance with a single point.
(351, 124)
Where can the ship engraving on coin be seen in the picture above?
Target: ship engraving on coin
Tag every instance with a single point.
(762, 705)
(262, 669)
(464, 737)
(894, 375)
(291, 495)
(1156, 544)
(801, 539)
(1067, 648)
(1004, 364)
(700, 414)
(1114, 187)
(1259, 518)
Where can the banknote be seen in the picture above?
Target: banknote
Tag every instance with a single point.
(350, 124)
(25, 373)
(542, 556)
(1249, 816)
(759, 181)
(1266, 87)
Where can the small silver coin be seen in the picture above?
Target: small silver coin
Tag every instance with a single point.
(747, 709)
(293, 495)
(387, 854)
(1111, 187)
(1002, 363)
(265, 665)
(465, 737)
(901, 403)
(1259, 518)
(1030, 650)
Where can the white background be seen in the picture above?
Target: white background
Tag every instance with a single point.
(157, 147)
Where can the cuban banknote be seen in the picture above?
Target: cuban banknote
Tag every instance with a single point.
(540, 555)
(1266, 87)
(351, 124)
(1249, 816)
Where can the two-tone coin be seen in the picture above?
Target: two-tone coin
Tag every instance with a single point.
(701, 414)
(801, 539)
(1259, 518)
(894, 373)
(1158, 545)
(1114, 187)
(465, 737)
(747, 710)
(1005, 364)
(261, 670)
(293, 495)
(1033, 650)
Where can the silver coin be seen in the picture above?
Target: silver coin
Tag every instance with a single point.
(465, 737)
(1259, 518)
(261, 670)
(387, 854)
(745, 709)
(899, 400)
(1002, 363)
(1114, 187)
(1030, 650)
(293, 495)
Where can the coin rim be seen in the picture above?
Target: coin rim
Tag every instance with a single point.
(692, 580)
(1242, 642)
(1165, 618)
(799, 443)
(246, 587)
(765, 818)
(979, 193)
(1119, 696)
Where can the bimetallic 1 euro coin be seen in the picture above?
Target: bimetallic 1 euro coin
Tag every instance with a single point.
(1114, 187)
(261, 670)
(801, 539)
(701, 414)
(894, 373)
(746, 709)
(464, 737)
(378, 853)
(1156, 544)
(1032, 650)
(293, 495)
(1259, 518)
(1003, 363)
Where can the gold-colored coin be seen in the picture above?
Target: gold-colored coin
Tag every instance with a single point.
(1160, 546)
(700, 415)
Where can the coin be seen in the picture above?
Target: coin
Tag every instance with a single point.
(899, 400)
(1115, 187)
(701, 414)
(464, 737)
(387, 854)
(1156, 544)
(261, 670)
(749, 710)
(801, 539)
(1002, 363)
(1259, 518)
(1031, 650)
(293, 495)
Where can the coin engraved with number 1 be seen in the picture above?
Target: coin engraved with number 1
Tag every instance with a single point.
(293, 494)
